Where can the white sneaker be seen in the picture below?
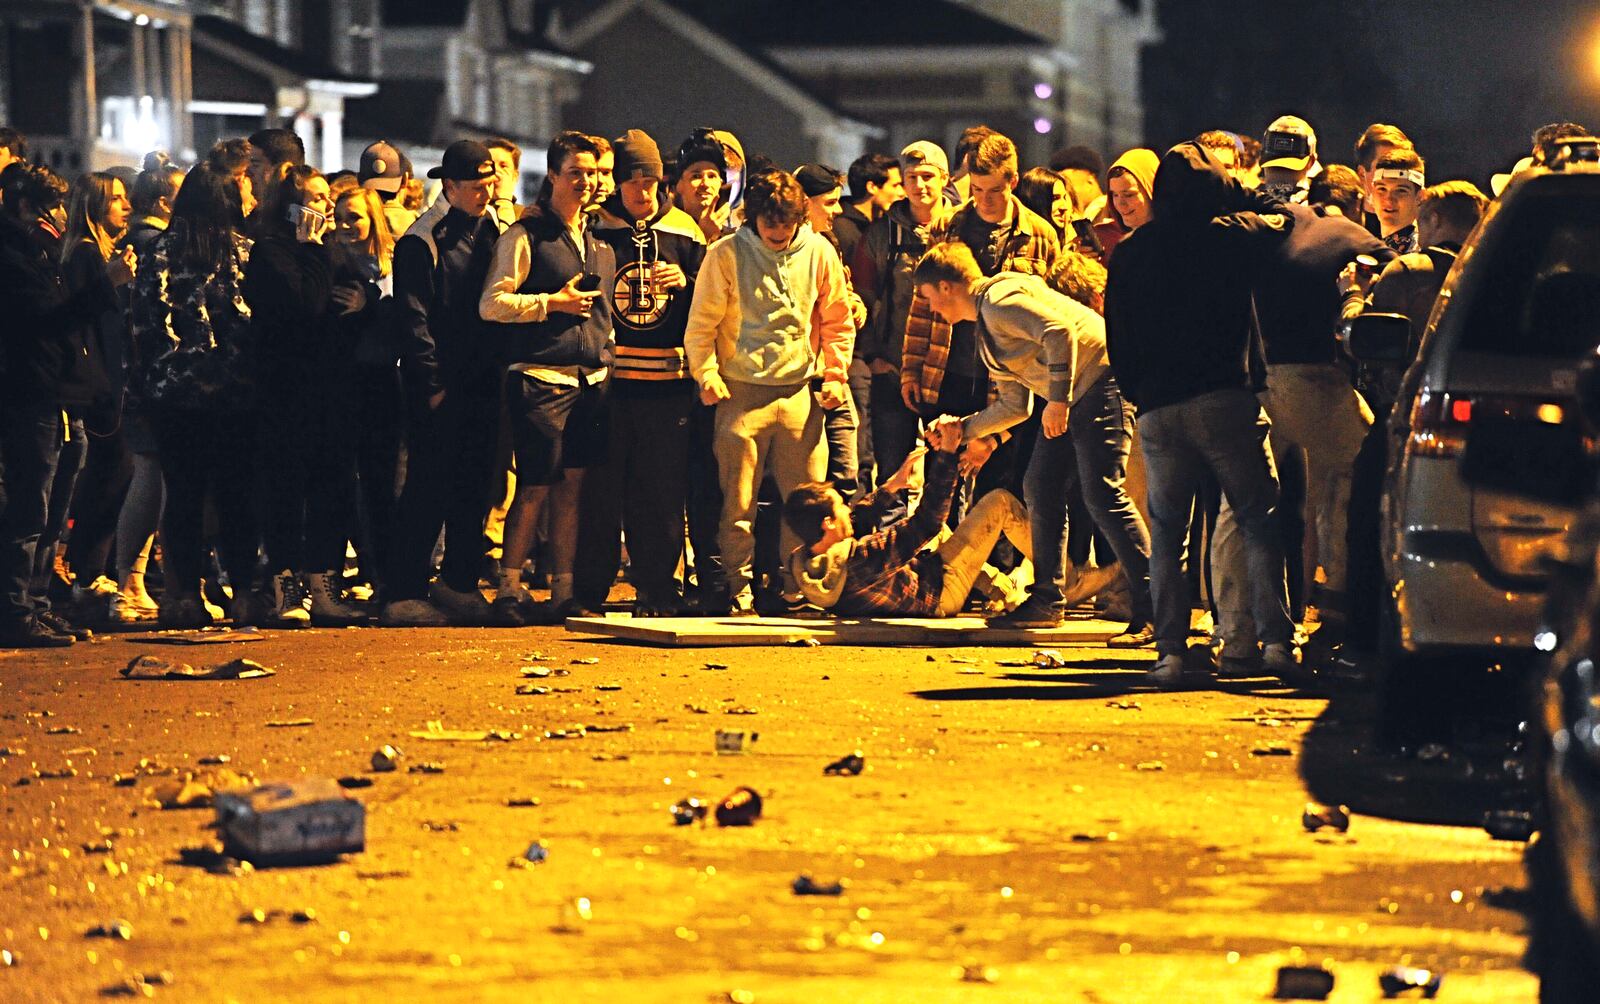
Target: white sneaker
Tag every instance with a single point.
(1168, 672)
(326, 606)
(128, 611)
(102, 588)
(464, 608)
(291, 604)
(413, 613)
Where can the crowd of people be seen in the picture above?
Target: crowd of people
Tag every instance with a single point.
(910, 389)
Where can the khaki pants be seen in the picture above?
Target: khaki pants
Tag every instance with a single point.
(755, 427)
(966, 549)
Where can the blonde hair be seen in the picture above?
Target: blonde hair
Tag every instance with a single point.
(87, 202)
(380, 240)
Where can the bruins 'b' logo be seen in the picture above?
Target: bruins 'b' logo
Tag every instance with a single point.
(639, 303)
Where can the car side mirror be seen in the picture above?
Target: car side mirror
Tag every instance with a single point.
(1545, 461)
(1378, 339)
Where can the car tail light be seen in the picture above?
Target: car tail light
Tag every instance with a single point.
(1440, 421)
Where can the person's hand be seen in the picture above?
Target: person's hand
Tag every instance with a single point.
(909, 476)
(1054, 420)
(976, 454)
(349, 299)
(1354, 278)
(436, 400)
(122, 267)
(882, 367)
(946, 437)
(936, 428)
(714, 390)
(309, 226)
(832, 395)
(858, 310)
(669, 276)
(569, 299)
(908, 394)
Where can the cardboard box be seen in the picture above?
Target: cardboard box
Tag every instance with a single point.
(297, 822)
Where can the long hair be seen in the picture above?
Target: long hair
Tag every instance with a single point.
(204, 217)
(87, 202)
(1037, 190)
(380, 240)
(289, 190)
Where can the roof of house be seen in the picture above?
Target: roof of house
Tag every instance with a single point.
(293, 61)
(853, 24)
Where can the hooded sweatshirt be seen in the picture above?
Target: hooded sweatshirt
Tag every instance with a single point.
(649, 322)
(768, 317)
(1140, 164)
(1034, 340)
(1179, 318)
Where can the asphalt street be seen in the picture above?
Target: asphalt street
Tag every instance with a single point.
(1017, 834)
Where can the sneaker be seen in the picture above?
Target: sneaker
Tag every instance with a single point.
(1283, 660)
(1136, 636)
(413, 613)
(60, 625)
(291, 603)
(520, 610)
(1033, 613)
(134, 596)
(34, 633)
(184, 613)
(743, 604)
(665, 604)
(248, 610)
(1091, 581)
(327, 609)
(128, 610)
(574, 608)
(1167, 673)
(99, 591)
(464, 607)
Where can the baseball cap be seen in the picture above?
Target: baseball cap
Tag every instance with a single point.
(464, 160)
(817, 179)
(923, 152)
(1290, 143)
(383, 167)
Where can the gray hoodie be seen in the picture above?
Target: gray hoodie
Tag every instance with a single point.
(1033, 340)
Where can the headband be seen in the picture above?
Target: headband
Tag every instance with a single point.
(1400, 174)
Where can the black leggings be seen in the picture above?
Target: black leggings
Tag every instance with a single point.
(204, 452)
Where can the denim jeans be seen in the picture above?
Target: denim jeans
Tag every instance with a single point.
(1092, 453)
(839, 428)
(1224, 432)
(861, 396)
(894, 426)
(33, 438)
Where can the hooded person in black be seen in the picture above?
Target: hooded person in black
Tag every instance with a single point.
(1180, 332)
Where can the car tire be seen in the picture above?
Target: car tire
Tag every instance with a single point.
(1560, 951)
(1410, 705)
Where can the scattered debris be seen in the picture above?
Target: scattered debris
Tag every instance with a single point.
(1303, 983)
(196, 790)
(99, 847)
(9, 958)
(150, 667)
(536, 854)
(387, 758)
(619, 727)
(689, 810)
(138, 985)
(979, 974)
(349, 781)
(567, 782)
(426, 767)
(214, 861)
(1401, 979)
(434, 731)
(290, 723)
(202, 636)
(12, 751)
(441, 826)
(715, 665)
(608, 686)
(1273, 749)
(733, 742)
(1149, 765)
(305, 915)
(63, 730)
(1048, 658)
(1086, 838)
(575, 732)
(805, 885)
(522, 802)
(805, 642)
(1121, 705)
(543, 672)
(1509, 824)
(740, 808)
(1315, 816)
(532, 690)
(572, 915)
(697, 709)
(740, 709)
(215, 761)
(851, 764)
(298, 822)
(588, 660)
(118, 930)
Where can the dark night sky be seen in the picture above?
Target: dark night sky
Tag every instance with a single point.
(1467, 80)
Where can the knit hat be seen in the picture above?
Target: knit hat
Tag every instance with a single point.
(637, 155)
(702, 146)
(923, 152)
(1139, 164)
(817, 179)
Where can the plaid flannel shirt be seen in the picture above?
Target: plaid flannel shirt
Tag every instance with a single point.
(1030, 245)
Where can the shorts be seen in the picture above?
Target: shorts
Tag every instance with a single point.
(555, 428)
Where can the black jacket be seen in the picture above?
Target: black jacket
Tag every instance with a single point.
(437, 282)
(1297, 292)
(287, 284)
(1179, 318)
(44, 351)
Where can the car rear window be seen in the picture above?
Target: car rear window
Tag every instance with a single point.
(1539, 288)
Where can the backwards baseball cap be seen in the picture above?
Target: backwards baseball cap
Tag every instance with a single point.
(923, 152)
(464, 160)
(817, 179)
(383, 167)
(1289, 143)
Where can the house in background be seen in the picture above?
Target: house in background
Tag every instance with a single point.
(453, 69)
(663, 65)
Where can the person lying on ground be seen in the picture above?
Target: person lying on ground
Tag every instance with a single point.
(887, 572)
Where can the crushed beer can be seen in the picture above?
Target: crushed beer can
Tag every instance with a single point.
(689, 810)
(805, 885)
(742, 807)
(1303, 983)
(732, 741)
(1335, 817)
(1402, 979)
(1048, 658)
(297, 822)
(385, 759)
(849, 765)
